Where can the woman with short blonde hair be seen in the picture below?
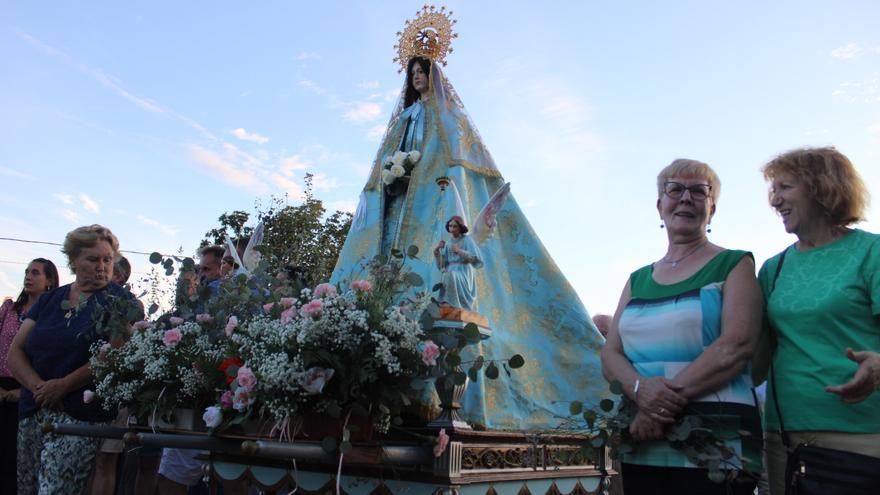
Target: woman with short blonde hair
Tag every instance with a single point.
(50, 358)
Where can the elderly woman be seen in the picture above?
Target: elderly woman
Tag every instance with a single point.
(50, 357)
(681, 340)
(823, 306)
(40, 276)
(456, 260)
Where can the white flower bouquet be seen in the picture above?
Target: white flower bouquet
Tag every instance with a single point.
(397, 168)
(161, 367)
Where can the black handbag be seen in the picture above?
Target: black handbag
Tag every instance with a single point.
(812, 470)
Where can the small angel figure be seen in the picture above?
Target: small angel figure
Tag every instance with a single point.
(456, 260)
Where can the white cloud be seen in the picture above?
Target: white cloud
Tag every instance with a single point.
(291, 164)
(65, 198)
(874, 128)
(226, 169)
(368, 85)
(322, 182)
(161, 227)
(867, 91)
(288, 186)
(244, 135)
(89, 203)
(312, 87)
(115, 85)
(363, 112)
(849, 51)
(308, 56)
(16, 174)
(70, 215)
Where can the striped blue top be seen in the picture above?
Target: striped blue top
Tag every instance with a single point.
(664, 328)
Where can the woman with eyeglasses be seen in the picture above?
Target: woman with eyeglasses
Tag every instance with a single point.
(680, 343)
(823, 306)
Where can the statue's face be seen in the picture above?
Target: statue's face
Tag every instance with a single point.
(454, 228)
(419, 78)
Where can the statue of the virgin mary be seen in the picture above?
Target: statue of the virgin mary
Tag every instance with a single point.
(530, 305)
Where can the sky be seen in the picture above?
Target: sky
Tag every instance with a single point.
(154, 118)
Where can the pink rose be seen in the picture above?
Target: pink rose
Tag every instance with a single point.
(442, 442)
(141, 325)
(287, 301)
(246, 378)
(226, 400)
(313, 308)
(361, 285)
(316, 378)
(328, 290)
(175, 320)
(288, 314)
(242, 399)
(204, 318)
(231, 324)
(430, 352)
(268, 307)
(172, 337)
(88, 396)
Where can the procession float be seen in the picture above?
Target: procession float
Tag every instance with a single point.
(446, 354)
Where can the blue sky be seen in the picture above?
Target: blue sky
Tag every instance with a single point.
(153, 118)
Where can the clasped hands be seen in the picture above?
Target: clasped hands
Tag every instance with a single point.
(49, 394)
(455, 249)
(659, 401)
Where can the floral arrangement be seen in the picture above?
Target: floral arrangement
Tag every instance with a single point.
(163, 366)
(398, 167)
(333, 350)
(360, 352)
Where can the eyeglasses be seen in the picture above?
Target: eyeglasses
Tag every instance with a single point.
(675, 190)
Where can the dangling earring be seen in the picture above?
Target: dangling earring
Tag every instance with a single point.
(662, 225)
(708, 229)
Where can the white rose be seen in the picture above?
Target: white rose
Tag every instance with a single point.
(316, 378)
(398, 158)
(212, 416)
(414, 156)
(398, 171)
(387, 176)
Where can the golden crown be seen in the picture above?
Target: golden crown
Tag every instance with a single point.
(428, 35)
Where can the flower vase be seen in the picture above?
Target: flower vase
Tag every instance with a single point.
(450, 403)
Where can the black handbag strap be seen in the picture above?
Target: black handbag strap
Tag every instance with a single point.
(785, 439)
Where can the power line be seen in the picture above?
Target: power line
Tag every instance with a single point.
(28, 241)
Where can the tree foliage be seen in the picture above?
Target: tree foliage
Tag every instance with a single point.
(303, 235)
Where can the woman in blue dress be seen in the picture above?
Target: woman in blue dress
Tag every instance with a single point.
(457, 260)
